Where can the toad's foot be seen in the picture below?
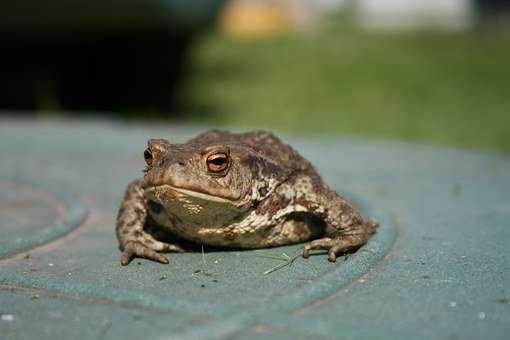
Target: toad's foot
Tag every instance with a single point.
(148, 249)
(334, 246)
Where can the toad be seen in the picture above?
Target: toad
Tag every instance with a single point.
(236, 190)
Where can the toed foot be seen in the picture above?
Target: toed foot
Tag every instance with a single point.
(148, 250)
(334, 246)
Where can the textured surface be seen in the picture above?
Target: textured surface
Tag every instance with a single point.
(30, 215)
(438, 267)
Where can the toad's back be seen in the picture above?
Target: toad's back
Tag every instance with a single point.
(263, 142)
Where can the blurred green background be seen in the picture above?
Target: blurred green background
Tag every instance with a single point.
(441, 87)
(334, 77)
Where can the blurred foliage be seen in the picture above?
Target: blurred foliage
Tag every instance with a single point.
(440, 87)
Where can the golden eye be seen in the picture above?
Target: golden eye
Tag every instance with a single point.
(147, 155)
(217, 162)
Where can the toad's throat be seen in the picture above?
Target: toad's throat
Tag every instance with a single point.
(172, 192)
(188, 213)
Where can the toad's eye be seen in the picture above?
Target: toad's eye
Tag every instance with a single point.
(217, 162)
(147, 155)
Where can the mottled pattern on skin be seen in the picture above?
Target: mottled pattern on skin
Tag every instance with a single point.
(246, 190)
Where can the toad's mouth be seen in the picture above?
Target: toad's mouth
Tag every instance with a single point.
(167, 192)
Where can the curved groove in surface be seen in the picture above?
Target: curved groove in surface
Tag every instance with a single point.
(69, 214)
(357, 264)
(345, 272)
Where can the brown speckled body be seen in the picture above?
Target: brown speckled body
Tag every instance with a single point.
(246, 190)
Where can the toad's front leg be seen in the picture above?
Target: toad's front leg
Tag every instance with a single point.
(134, 240)
(343, 242)
(345, 230)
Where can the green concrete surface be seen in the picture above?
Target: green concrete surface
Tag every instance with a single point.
(439, 266)
(32, 216)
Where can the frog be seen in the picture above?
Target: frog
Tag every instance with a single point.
(245, 190)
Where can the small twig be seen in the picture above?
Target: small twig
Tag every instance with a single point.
(280, 266)
(297, 253)
(288, 260)
(203, 270)
(203, 257)
(268, 256)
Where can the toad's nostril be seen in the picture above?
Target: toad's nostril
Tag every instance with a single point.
(154, 207)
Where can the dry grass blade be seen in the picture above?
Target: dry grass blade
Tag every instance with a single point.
(288, 260)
